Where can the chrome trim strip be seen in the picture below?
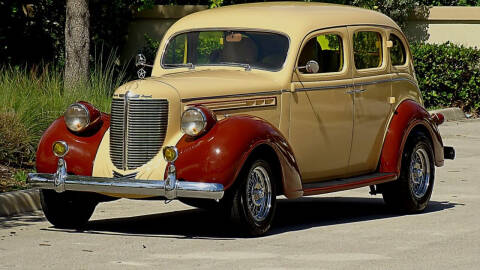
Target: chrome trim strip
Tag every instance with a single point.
(373, 82)
(240, 104)
(321, 88)
(125, 131)
(277, 92)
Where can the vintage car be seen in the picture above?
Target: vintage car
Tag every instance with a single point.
(246, 103)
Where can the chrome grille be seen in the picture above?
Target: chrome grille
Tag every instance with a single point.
(137, 130)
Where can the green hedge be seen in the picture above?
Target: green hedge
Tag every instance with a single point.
(448, 75)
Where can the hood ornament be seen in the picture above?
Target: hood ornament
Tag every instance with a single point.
(141, 61)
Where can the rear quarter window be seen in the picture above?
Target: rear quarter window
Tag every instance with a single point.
(398, 53)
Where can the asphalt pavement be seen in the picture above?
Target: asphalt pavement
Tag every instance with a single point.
(344, 230)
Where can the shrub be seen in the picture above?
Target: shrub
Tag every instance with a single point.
(31, 99)
(448, 75)
(15, 147)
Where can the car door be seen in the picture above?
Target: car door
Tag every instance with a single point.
(372, 87)
(321, 108)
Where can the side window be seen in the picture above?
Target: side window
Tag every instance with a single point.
(176, 52)
(397, 52)
(327, 50)
(367, 49)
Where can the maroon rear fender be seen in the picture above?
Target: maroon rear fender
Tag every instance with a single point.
(219, 155)
(409, 115)
(82, 147)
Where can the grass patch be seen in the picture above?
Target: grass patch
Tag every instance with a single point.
(32, 98)
(12, 179)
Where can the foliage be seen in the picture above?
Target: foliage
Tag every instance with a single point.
(15, 147)
(13, 178)
(451, 2)
(448, 75)
(32, 98)
(20, 176)
(31, 33)
(34, 33)
(398, 10)
(151, 47)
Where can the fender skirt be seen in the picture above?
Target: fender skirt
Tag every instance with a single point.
(219, 155)
(407, 116)
(82, 149)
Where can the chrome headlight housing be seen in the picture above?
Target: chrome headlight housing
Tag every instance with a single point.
(193, 122)
(77, 117)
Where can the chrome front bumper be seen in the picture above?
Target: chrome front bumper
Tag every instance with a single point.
(171, 188)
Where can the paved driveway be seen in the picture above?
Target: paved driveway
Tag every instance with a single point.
(346, 230)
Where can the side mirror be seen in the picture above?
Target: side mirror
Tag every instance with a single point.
(311, 67)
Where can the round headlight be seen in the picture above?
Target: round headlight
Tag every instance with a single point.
(77, 117)
(194, 122)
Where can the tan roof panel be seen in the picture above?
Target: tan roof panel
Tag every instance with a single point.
(293, 18)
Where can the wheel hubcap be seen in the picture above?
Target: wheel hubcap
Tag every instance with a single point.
(259, 193)
(419, 173)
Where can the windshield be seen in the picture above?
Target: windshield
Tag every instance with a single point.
(248, 49)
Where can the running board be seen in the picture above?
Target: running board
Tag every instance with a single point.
(347, 183)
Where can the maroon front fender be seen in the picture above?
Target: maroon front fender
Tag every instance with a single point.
(82, 148)
(407, 116)
(218, 155)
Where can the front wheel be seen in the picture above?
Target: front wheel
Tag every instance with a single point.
(412, 191)
(67, 210)
(254, 199)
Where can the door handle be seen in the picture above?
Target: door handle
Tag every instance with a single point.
(356, 91)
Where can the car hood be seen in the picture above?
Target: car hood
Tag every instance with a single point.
(213, 83)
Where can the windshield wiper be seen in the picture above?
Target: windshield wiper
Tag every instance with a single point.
(189, 65)
(247, 67)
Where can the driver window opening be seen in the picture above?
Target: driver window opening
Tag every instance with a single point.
(326, 50)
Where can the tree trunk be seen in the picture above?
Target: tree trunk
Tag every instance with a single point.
(77, 44)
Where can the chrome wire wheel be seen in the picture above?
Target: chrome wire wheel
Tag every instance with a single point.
(419, 173)
(259, 193)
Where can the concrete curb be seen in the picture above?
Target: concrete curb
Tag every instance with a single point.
(17, 202)
(451, 114)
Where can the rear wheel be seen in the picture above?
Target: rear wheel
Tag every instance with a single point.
(67, 210)
(254, 199)
(412, 191)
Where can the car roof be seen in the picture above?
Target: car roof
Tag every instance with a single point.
(292, 18)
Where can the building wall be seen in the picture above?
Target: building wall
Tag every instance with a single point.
(460, 25)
